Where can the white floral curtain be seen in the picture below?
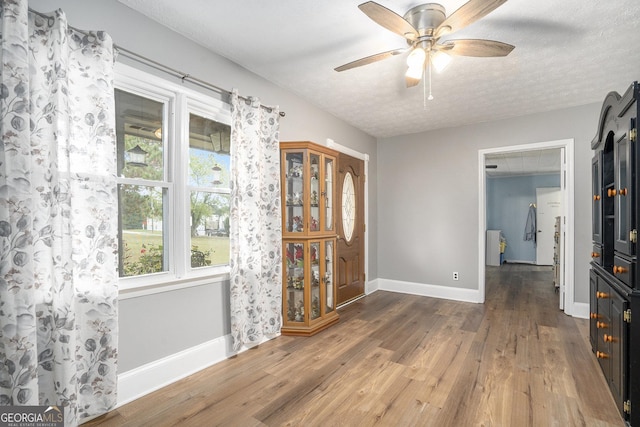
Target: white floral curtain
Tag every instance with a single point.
(256, 225)
(58, 218)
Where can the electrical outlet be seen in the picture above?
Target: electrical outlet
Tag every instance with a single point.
(455, 275)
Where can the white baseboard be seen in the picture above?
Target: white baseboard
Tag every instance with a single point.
(153, 376)
(371, 286)
(435, 291)
(580, 310)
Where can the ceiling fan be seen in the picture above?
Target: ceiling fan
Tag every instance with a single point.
(422, 27)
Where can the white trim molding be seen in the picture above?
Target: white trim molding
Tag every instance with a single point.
(427, 290)
(580, 310)
(371, 286)
(568, 200)
(160, 373)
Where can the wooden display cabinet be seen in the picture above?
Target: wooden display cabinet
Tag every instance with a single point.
(309, 238)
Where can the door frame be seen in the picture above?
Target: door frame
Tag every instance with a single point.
(364, 157)
(567, 186)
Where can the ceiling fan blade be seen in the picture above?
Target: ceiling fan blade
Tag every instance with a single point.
(477, 48)
(467, 14)
(370, 59)
(389, 19)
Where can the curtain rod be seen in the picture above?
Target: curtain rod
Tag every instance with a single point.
(164, 68)
(177, 73)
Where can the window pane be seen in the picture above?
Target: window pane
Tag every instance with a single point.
(209, 229)
(141, 224)
(139, 131)
(209, 147)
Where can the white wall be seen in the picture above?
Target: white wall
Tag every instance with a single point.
(428, 196)
(157, 326)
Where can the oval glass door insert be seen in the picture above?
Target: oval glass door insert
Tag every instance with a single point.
(348, 206)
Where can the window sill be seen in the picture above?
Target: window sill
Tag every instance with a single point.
(134, 287)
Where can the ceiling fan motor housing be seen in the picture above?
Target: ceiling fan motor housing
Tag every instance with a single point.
(426, 18)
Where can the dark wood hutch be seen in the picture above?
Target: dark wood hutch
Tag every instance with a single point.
(614, 283)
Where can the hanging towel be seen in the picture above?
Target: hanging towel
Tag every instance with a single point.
(530, 227)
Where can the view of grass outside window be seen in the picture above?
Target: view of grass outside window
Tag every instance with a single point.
(209, 190)
(144, 188)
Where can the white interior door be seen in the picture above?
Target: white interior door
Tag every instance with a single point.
(563, 224)
(549, 206)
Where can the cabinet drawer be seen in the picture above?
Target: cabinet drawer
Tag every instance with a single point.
(596, 254)
(624, 270)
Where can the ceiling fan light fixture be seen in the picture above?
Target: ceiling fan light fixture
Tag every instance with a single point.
(440, 60)
(414, 73)
(415, 62)
(416, 58)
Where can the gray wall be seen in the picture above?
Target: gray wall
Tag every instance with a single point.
(428, 195)
(156, 326)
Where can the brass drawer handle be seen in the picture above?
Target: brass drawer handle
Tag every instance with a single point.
(601, 325)
(611, 192)
(609, 338)
(601, 355)
(622, 192)
(602, 295)
(619, 269)
(594, 316)
(595, 254)
(596, 197)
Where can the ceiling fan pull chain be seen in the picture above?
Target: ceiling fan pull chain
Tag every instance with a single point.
(430, 95)
(424, 88)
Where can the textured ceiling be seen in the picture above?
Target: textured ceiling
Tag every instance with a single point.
(535, 162)
(568, 53)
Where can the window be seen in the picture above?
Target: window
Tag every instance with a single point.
(209, 163)
(173, 181)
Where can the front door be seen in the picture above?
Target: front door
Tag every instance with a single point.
(350, 226)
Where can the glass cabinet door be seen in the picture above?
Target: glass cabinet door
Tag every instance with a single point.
(294, 276)
(314, 251)
(294, 192)
(623, 194)
(596, 185)
(314, 192)
(328, 193)
(328, 276)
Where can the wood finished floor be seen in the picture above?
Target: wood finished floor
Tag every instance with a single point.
(402, 360)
